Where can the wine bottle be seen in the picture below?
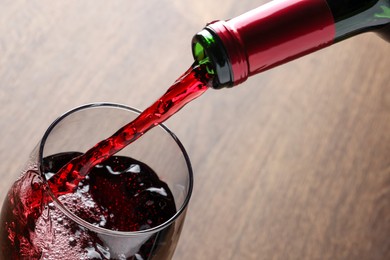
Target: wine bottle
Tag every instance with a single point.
(280, 31)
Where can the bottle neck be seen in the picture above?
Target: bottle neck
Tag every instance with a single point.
(280, 31)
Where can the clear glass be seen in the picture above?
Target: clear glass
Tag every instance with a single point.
(44, 235)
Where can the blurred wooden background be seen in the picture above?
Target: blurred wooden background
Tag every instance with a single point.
(293, 164)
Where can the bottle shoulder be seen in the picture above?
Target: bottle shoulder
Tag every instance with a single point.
(357, 16)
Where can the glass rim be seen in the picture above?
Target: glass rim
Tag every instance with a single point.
(85, 223)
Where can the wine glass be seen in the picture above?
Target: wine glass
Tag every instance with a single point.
(108, 216)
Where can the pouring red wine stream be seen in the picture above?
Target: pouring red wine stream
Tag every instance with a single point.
(193, 83)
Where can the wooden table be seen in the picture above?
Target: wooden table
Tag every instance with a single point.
(292, 164)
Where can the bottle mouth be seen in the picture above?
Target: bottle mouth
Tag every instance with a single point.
(208, 49)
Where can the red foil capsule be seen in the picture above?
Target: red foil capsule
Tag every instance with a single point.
(275, 33)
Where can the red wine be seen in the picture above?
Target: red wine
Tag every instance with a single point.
(189, 86)
(119, 194)
(113, 192)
